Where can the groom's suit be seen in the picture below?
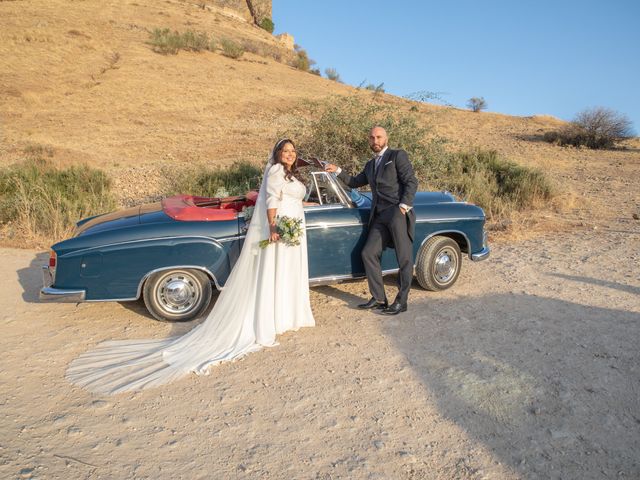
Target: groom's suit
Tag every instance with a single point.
(393, 183)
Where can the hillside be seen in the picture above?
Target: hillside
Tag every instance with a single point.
(81, 79)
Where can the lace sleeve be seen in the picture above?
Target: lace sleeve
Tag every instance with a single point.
(275, 182)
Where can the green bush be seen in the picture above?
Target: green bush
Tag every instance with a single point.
(41, 200)
(166, 41)
(301, 61)
(267, 24)
(496, 184)
(237, 179)
(337, 132)
(231, 49)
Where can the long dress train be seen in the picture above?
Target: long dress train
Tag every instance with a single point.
(267, 293)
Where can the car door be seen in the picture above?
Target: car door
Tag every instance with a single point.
(336, 231)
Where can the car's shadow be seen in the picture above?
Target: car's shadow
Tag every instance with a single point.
(544, 384)
(30, 278)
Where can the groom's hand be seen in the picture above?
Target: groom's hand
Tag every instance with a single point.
(331, 168)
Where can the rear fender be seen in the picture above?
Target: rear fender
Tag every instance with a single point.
(117, 271)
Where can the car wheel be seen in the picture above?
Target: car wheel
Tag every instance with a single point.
(438, 263)
(177, 295)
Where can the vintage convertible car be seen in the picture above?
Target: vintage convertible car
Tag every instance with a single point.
(172, 253)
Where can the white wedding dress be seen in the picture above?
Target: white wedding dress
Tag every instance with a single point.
(266, 294)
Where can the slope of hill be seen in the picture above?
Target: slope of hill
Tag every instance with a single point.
(80, 78)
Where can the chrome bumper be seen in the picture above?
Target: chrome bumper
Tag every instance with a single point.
(484, 253)
(49, 294)
(481, 255)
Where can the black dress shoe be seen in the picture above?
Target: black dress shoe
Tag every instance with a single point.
(395, 308)
(373, 303)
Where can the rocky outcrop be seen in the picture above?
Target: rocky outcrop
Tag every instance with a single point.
(260, 9)
(253, 11)
(287, 40)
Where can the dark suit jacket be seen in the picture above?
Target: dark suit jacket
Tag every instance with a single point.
(394, 183)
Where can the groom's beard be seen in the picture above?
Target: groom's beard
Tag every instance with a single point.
(377, 148)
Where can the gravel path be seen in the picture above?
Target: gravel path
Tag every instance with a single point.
(528, 368)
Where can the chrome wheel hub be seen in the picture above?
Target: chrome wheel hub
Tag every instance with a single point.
(178, 292)
(446, 264)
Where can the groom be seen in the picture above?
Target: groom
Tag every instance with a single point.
(393, 185)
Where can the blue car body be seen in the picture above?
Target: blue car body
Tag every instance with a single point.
(111, 256)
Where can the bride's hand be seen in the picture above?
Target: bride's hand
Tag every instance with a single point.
(273, 234)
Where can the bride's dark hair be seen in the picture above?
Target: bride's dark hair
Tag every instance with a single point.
(277, 158)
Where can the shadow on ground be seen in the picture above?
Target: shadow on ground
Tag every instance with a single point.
(30, 278)
(549, 386)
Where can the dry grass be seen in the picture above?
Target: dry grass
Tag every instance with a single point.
(42, 203)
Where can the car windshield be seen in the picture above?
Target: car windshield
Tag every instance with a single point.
(326, 188)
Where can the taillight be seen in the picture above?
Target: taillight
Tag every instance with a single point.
(52, 259)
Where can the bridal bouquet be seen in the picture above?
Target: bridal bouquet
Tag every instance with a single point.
(290, 231)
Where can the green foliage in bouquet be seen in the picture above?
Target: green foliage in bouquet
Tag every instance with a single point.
(290, 231)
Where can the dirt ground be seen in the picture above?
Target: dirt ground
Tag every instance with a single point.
(527, 368)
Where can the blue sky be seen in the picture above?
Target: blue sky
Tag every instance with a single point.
(524, 57)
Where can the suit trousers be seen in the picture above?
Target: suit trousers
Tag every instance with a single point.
(389, 226)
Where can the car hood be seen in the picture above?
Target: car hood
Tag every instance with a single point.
(423, 198)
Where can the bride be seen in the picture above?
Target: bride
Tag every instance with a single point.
(266, 294)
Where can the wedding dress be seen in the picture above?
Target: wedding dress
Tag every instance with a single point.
(267, 293)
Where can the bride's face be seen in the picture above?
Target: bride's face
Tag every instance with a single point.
(288, 155)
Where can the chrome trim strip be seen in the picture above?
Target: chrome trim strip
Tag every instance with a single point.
(230, 239)
(314, 282)
(330, 206)
(327, 225)
(435, 220)
(481, 255)
(448, 231)
(49, 294)
(132, 299)
(210, 239)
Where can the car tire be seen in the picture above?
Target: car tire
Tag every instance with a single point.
(438, 263)
(177, 295)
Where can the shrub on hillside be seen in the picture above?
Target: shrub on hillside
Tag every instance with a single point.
(371, 87)
(595, 128)
(496, 184)
(375, 88)
(332, 74)
(231, 49)
(165, 41)
(236, 179)
(302, 61)
(476, 104)
(267, 24)
(337, 132)
(40, 200)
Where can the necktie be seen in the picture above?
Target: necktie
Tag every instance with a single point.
(378, 158)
